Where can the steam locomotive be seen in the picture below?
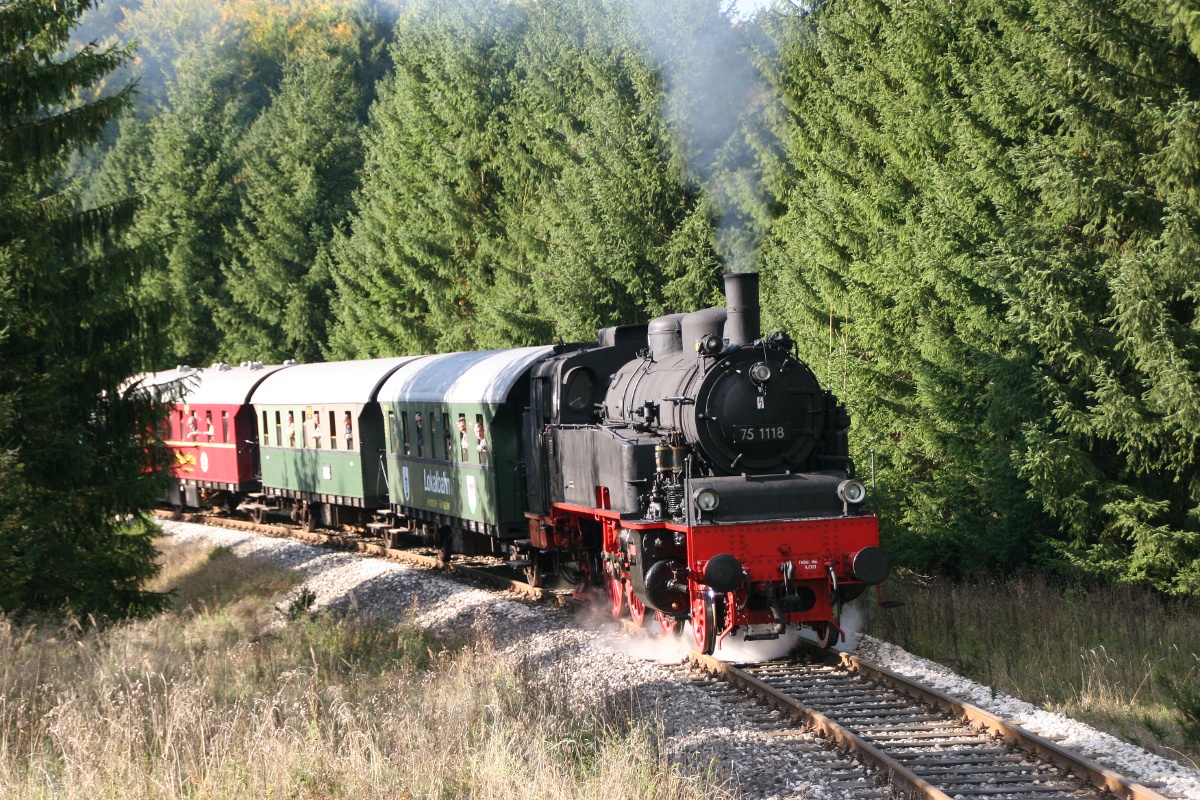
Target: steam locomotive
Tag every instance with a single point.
(692, 468)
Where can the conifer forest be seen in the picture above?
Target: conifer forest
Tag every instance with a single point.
(979, 220)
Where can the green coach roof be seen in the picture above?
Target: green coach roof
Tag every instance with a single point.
(351, 382)
(479, 377)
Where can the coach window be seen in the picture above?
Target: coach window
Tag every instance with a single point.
(266, 435)
(402, 442)
(278, 426)
(224, 426)
(333, 431)
(480, 440)
(348, 429)
(464, 442)
(433, 434)
(448, 437)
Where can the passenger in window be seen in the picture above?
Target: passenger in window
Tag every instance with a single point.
(193, 426)
(291, 429)
(316, 431)
(348, 426)
(464, 443)
(420, 433)
(208, 424)
(481, 443)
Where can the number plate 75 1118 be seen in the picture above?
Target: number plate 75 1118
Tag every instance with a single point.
(760, 433)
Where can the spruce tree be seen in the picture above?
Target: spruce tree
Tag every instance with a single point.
(424, 236)
(301, 162)
(190, 204)
(523, 182)
(618, 227)
(987, 235)
(74, 440)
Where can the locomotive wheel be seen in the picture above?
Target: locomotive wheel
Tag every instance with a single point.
(670, 625)
(616, 595)
(257, 515)
(637, 609)
(705, 621)
(444, 549)
(533, 574)
(827, 634)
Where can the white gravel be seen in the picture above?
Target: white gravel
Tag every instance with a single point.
(591, 661)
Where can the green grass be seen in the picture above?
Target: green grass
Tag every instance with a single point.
(1124, 659)
(226, 697)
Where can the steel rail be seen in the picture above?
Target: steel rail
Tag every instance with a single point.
(1076, 764)
(895, 773)
(1083, 769)
(345, 542)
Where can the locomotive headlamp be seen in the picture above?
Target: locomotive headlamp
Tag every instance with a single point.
(760, 373)
(852, 492)
(706, 500)
(710, 345)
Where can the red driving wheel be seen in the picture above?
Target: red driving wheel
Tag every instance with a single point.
(827, 634)
(704, 623)
(669, 625)
(637, 609)
(616, 595)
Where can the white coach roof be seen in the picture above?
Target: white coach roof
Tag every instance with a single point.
(350, 382)
(480, 377)
(220, 384)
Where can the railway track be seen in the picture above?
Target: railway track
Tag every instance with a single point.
(920, 742)
(491, 572)
(890, 736)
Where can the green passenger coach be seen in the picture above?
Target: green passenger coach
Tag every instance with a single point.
(453, 427)
(321, 440)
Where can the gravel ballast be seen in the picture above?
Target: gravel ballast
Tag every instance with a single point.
(586, 657)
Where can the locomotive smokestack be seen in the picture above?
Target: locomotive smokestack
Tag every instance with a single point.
(741, 307)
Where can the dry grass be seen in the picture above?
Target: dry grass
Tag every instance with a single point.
(1121, 658)
(201, 577)
(226, 698)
